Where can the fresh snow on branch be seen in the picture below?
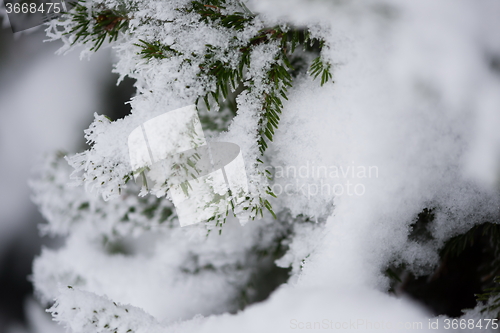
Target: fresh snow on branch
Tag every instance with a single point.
(415, 96)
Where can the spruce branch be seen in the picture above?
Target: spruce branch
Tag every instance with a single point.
(156, 50)
(222, 70)
(103, 23)
(491, 298)
(319, 68)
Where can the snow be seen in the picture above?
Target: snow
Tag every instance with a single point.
(414, 97)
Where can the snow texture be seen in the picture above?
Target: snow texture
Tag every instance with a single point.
(410, 123)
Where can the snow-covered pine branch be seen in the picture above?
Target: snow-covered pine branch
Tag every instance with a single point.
(185, 52)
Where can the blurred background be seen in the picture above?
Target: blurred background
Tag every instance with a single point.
(46, 101)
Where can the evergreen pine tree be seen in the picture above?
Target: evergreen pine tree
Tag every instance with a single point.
(126, 257)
